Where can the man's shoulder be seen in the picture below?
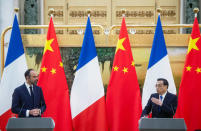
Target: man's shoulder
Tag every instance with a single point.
(154, 94)
(37, 87)
(20, 87)
(171, 94)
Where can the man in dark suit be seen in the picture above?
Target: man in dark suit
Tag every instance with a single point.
(28, 100)
(162, 104)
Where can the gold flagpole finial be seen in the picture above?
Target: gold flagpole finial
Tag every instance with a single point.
(123, 11)
(51, 12)
(196, 10)
(159, 10)
(89, 12)
(16, 10)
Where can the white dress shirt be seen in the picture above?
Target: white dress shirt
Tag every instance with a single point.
(163, 96)
(27, 85)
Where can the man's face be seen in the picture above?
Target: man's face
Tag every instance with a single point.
(33, 79)
(160, 87)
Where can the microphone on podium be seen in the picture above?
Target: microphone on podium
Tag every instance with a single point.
(172, 110)
(21, 109)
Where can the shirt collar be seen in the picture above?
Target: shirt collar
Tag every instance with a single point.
(164, 95)
(27, 85)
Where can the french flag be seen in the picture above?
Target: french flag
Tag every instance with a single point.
(159, 66)
(13, 74)
(87, 93)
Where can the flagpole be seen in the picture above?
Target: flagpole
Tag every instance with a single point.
(51, 12)
(16, 10)
(196, 10)
(89, 12)
(159, 10)
(123, 11)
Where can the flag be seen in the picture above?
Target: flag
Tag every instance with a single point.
(159, 66)
(53, 82)
(189, 97)
(13, 73)
(123, 100)
(87, 93)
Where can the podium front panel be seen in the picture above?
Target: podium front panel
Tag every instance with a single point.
(30, 124)
(162, 124)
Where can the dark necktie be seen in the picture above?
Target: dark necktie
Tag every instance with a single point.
(32, 94)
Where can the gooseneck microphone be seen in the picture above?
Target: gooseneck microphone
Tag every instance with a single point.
(21, 109)
(172, 109)
(41, 108)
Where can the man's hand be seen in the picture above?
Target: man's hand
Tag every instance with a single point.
(156, 101)
(34, 112)
(145, 116)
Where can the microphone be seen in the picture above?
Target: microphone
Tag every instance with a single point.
(21, 109)
(41, 111)
(172, 109)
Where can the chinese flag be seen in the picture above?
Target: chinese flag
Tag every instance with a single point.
(189, 98)
(53, 82)
(123, 100)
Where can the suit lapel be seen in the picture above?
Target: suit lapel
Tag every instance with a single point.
(155, 107)
(36, 94)
(157, 96)
(166, 98)
(26, 92)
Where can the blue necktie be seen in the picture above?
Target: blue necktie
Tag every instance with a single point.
(161, 98)
(159, 108)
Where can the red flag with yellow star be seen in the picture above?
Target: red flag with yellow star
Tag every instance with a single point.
(53, 82)
(189, 106)
(123, 98)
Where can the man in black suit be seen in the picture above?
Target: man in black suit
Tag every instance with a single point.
(28, 100)
(162, 104)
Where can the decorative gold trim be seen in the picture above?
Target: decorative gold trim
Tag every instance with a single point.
(135, 14)
(2, 47)
(93, 13)
(82, 26)
(38, 27)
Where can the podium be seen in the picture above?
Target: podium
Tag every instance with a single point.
(30, 124)
(162, 124)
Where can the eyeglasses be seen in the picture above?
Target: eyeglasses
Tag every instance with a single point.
(159, 85)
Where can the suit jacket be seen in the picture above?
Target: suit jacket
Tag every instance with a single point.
(167, 110)
(22, 100)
